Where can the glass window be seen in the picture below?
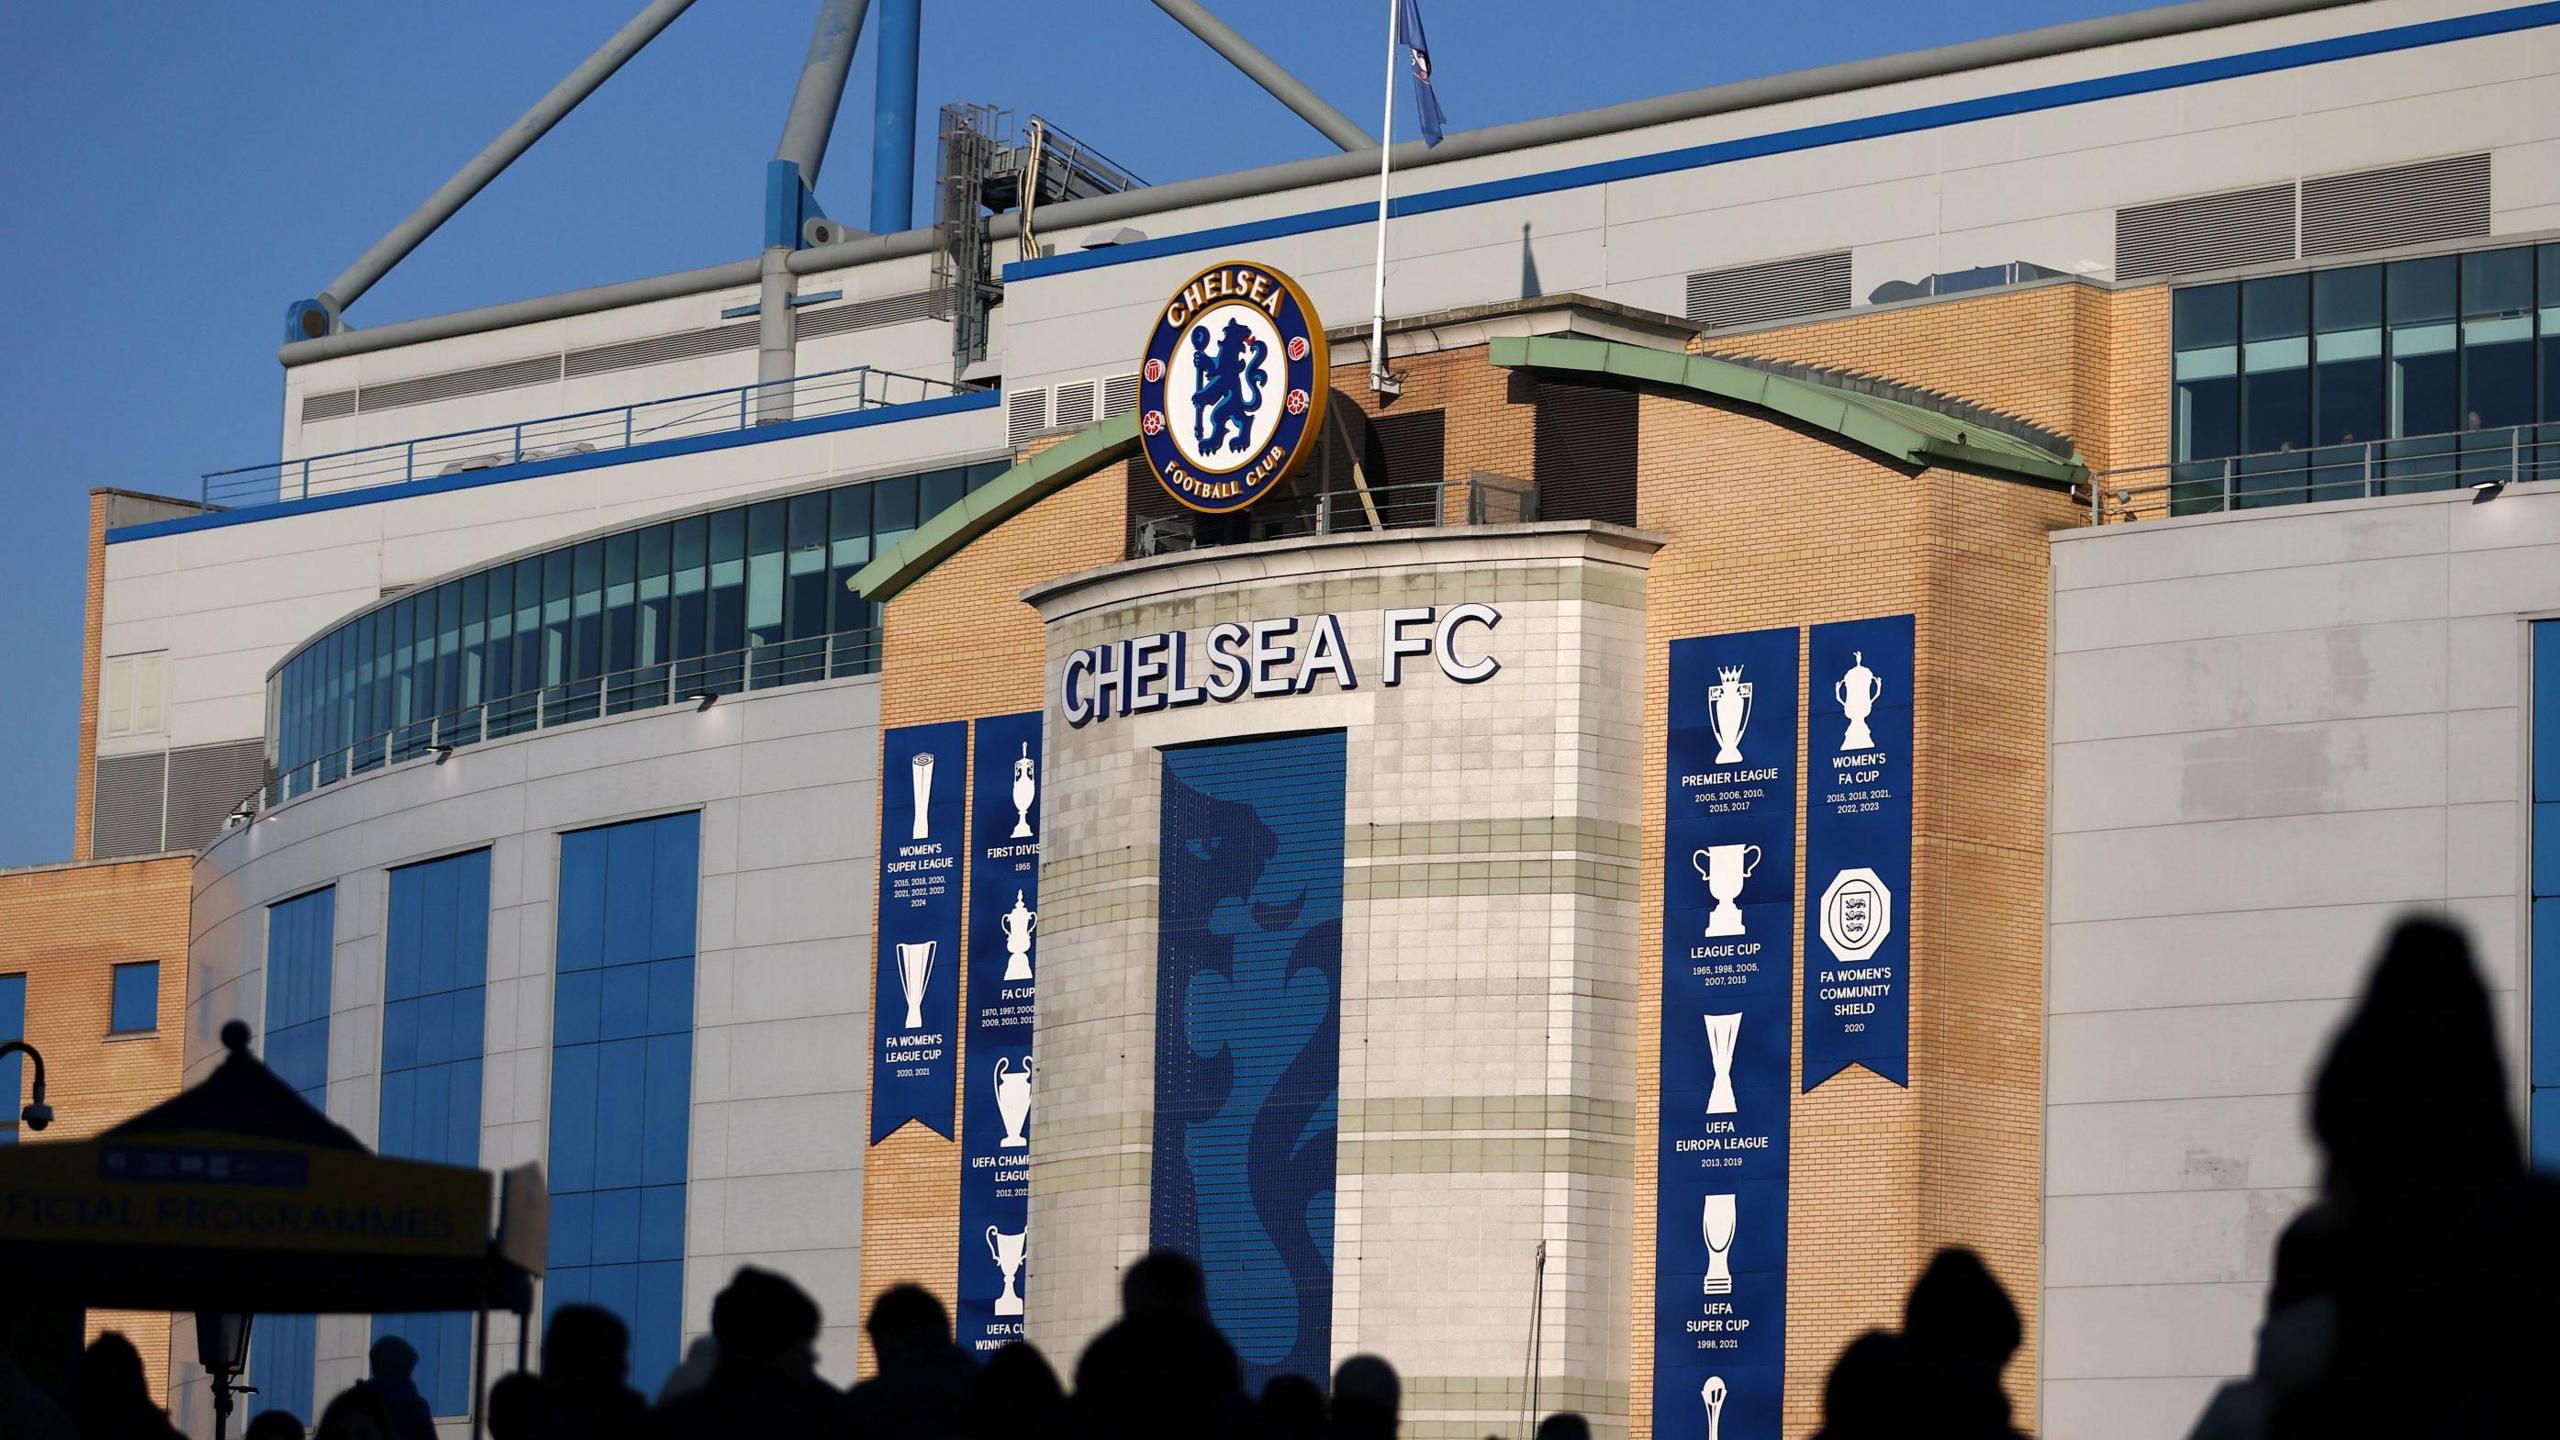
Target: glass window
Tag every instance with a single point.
(448, 694)
(475, 640)
(2204, 364)
(2347, 380)
(13, 1026)
(893, 511)
(530, 645)
(2426, 374)
(2275, 389)
(690, 586)
(586, 613)
(848, 550)
(2497, 339)
(621, 598)
(498, 667)
(555, 617)
(650, 639)
(728, 613)
(135, 1003)
(2545, 444)
(404, 619)
(938, 491)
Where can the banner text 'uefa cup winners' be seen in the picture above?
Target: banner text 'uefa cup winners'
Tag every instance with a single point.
(1728, 991)
(1001, 1085)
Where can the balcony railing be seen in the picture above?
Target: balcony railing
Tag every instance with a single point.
(1490, 500)
(675, 417)
(2460, 460)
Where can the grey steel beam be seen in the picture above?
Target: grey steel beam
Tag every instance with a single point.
(1264, 71)
(821, 92)
(529, 311)
(484, 167)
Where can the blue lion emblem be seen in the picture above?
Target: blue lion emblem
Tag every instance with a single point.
(1227, 388)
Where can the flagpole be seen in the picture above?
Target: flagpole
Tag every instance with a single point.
(1379, 380)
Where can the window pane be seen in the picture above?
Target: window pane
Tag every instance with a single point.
(728, 581)
(2426, 375)
(804, 601)
(2346, 317)
(448, 672)
(2497, 339)
(621, 620)
(2204, 368)
(656, 542)
(555, 617)
(2275, 394)
(499, 668)
(689, 585)
(893, 511)
(475, 639)
(586, 613)
(938, 491)
(135, 1007)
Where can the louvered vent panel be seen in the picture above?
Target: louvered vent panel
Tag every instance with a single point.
(1026, 413)
(2205, 232)
(454, 383)
(127, 809)
(1075, 404)
(1772, 290)
(1119, 395)
(337, 404)
(205, 783)
(2404, 205)
(866, 314)
(661, 349)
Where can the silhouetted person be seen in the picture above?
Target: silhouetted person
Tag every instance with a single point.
(766, 1382)
(922, 1389)
(1292, 1408)
(394, 1361)
(2443, 1300)
(1960, 1329)
(25, 1409)
(1564, 1425)
(586, 1365)
(524, 1408)
(1873, 1391)
(274, 1425)
(110, 1398)
(1162, 1369)
(356, 1414)
(1366, 1398)
(2295, 1339)
(1016, 1394)
(693, 1371)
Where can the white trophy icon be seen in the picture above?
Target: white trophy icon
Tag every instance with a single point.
(923, 780)
(1026, 788)
(1857, 691)
(1018, 924)
(915, 967)
(1722, 1032)
(1713, 1392)
(1724, 868)
(1008, 1252)
(1013, 1100)
(1729, 713)
(1716, 1219)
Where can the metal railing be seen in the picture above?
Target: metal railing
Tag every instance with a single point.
(1490, 500)
(699, 681)
(2458, 460)
(551, 437)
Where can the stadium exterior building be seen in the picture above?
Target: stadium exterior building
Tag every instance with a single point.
(1868, 685)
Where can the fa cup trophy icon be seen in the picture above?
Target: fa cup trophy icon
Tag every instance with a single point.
(1717, 1221)
(1724, 868)
(923, 780)
(1857, 692)
(1008, 1252)
(1026, 788)
(1013, 1100)
(1018, 924)
(1729, 712)
(915, 967)
(1713, 1392)
(1722, 1032)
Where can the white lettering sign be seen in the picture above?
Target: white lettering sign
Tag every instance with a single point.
(1275, 657)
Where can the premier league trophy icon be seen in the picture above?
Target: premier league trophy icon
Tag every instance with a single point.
(1857, 691)
(1018, 924)
(1713, 1392)
(1008, 1252)
(1717, 1221)
(923, 780)
(1724, 868)
(1026, 788)
(1722, 1032)
(1013, 1100)
(915, 967)
(1729, 711)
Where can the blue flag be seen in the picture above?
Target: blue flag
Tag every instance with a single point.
(1426, 101)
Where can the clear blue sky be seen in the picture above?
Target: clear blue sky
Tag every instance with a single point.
(171, 175)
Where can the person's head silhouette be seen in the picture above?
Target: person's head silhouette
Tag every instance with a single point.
(1366, 1396)
(357, 1414)
(585, 1346)
(1292, 1408)
(1564, 1425)
(1957, 1314)
(274, 1425)
(520, 1409)
(2418, 1058)
(907, 1324)
(1164, 1282)
(1015, 1393)
(393, 1358)
(1870, 1391)
(763, 1321)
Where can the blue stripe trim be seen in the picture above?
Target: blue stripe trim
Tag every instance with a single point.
(502, 474)
(1812, 137)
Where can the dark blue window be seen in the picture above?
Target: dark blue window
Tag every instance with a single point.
(136, 1006)
(2544, 941)
(622, 1079)
(435, 967)
(300, 933)
(1248, 1038)
(13, 1026)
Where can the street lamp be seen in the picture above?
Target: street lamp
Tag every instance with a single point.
(37, 1114)
(222, 1348)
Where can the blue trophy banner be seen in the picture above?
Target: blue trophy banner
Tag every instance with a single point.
(916, 993)
(995, 1111)
(1728, 998)
(1857, 850)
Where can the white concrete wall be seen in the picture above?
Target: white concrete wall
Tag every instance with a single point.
(2273, 732)
(786, 784)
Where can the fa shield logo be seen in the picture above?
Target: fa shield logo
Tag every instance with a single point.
(1231, 392)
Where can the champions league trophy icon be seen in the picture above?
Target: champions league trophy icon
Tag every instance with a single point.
(1008, 1252)
(1857, 692)
(1013, 1100)
(915, 967)
(1018, 924)
(1724, 868)
(1717, 1221)
(923, 779)
(1713, 1392)
(1729, 712)
(1026, 788)
(1722, 1032)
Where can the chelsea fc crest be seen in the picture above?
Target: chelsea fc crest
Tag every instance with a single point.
(1231, 393)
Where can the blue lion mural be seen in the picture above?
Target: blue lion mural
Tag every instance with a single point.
(1248, 1038)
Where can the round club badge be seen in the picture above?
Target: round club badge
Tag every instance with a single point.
(1231, 393)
